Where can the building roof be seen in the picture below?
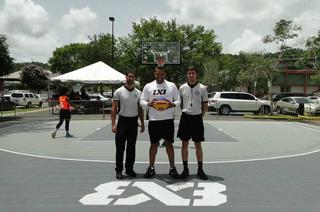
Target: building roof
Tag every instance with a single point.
(15, 76)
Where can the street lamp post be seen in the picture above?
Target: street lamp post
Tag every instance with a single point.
(112, 46)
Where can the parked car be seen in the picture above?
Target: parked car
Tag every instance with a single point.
(6, 104)
(96, 96)
(277, 97)
(297, 105)
(43, 97)
(96, 104)
(315, 99)
(24, 98)
(227, 102)
(211, 101)
(108, 94)
(53, 100)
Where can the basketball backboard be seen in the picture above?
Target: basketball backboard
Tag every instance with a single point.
(160, 53)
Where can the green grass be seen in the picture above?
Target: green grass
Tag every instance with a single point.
(284, 117)
(21, 109)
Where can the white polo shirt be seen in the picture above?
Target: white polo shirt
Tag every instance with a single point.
(128, 100)
(153, 90)
(193, 97)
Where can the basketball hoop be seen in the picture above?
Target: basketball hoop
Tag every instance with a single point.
(160, 53)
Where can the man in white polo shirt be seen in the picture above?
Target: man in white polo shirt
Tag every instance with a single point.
(194, 97)
(127, 99)
(161, 123)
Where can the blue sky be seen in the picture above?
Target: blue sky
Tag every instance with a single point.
(35, 28)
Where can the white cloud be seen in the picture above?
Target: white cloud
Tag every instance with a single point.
(241, 24)
(248, 42)
(78, 18)
(25, 17)
(28, 32)
(219, 12)
(310, 22)
(33, 32)
(79, 23)
(27, 48)
(31, 35)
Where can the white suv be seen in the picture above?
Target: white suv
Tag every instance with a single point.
(226, 102)
(24, 98)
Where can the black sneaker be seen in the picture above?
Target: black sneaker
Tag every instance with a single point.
(150, 172)
(184, 174)
(68, 135)
(173, 173)
(131, 173)
(53, 135)
(202, 175)
(119, 175)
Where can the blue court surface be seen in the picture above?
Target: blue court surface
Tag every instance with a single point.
(252, 166)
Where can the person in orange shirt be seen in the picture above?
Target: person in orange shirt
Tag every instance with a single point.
(65, 114)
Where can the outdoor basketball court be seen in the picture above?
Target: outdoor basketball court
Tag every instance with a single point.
(252, 166)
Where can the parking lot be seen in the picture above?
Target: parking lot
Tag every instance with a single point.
(252, 166)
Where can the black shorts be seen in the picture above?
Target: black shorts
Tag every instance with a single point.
(163, 129)
(191, 126)
(65, 114)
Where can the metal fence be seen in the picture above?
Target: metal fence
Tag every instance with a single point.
(97, 110)
(83, 109)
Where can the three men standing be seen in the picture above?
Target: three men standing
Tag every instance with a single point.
(194, 99)
(126, 99)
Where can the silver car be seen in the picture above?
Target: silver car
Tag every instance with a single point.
(315, 99)
(297, 105)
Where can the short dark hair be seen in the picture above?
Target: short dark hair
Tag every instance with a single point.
(160, 68)
(130, 72)
(64, 90)
(192, 68)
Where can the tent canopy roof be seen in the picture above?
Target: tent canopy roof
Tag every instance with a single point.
(96, 73)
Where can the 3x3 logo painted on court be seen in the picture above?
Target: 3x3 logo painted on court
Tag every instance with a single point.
(204, 194)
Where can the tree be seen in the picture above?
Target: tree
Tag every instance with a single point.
(20, 66)
(220, 73)
(6, 62)
(229, 70)
(210, 75)
(256, 71)
(76, 55)
(313, 51)
(311, 57)
(68, 58)
(99, 49)
(34, 77)
(283, 31)
(197, 46)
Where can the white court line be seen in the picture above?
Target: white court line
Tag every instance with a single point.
(140, 162)
(313, 128)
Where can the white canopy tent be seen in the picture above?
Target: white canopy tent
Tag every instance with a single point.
(97, 73)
